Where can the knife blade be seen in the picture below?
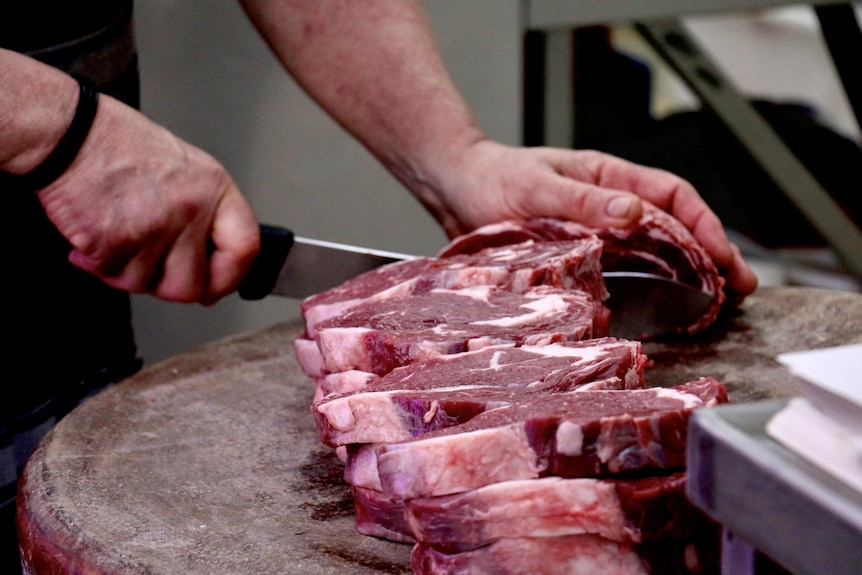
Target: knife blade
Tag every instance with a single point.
(642, 305)
(647, 305)
(297, 267)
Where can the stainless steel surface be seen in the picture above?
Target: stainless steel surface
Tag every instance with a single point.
(777, 502)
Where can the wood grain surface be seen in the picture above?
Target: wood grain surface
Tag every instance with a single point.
(209, 463)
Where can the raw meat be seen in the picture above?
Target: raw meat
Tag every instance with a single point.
(379, 336)
(393, 416)
(476, 423)
(341, 382)
(565, 555)
(634, 510)
(309, 358)
(658, 244)
(569, 264)
(360, 468)
(628, 510)
(450, 389)
(607, 351)
(572, 434)
(379, 516)
(576, 555)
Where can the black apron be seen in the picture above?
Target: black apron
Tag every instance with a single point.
(68, 334)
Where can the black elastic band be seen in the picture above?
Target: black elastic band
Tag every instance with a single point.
(62, 156)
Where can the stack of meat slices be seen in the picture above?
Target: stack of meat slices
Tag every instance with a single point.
(488, 475)
(533, 292)
(485, 416)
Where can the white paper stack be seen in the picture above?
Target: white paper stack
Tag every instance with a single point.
(824, 424)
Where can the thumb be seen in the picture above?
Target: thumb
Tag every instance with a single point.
(588, 204)
(616, 210)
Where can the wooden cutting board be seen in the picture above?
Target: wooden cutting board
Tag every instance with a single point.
(209, 464)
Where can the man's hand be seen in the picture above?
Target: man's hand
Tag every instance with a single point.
(489, 182)
(149, 213)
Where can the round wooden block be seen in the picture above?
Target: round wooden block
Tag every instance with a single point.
(209, 463)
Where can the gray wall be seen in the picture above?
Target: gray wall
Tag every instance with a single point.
(208, 77)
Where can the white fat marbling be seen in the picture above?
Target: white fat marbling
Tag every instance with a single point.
(570, 439)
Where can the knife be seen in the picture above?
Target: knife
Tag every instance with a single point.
(642, 305)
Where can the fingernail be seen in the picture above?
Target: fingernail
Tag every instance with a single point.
(619, 207)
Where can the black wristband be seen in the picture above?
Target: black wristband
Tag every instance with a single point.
(62, 156)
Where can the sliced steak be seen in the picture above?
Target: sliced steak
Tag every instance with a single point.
(341, 382)
(309, 358)
(627, 510)
(633, 510)
(379, 336)
(393, 416)
(572, 434)
(569, 264)
(448, 390)
(658, 244)
(360, 466)
(379, 516)
(565, 555)
(556, 367)
(576, 555)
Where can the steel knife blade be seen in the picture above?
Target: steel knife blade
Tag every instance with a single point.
(646, 305)
(642, 305)
(297, 267)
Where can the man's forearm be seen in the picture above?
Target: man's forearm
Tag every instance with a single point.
(37, 104)
(375, 68)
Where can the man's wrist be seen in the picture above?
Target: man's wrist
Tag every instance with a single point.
(67, 148)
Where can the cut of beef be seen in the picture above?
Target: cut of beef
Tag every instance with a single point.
(546, 507)
(658, 244)
(576, 555)
(448, 390)
(570, 264)
(349, 381)
(393, 280)
(556, 367)
(393, 416)
(572, 434)
(379, 336)
(565, 555)
(360, 469)
(308, 356)
(639, 510)
(378, 516)
(634, 511)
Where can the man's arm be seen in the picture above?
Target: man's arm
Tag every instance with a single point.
(143, 210)
(30, 132)
(374, 67)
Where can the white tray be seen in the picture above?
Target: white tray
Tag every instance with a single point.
(777, 502)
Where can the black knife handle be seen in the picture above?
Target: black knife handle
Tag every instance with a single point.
(275, 244)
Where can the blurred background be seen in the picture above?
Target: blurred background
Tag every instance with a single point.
(208, 77)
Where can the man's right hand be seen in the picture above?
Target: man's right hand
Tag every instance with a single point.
(147, 212)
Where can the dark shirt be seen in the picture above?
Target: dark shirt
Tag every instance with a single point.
(31, 25)
(67, 333)
(64, 327)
